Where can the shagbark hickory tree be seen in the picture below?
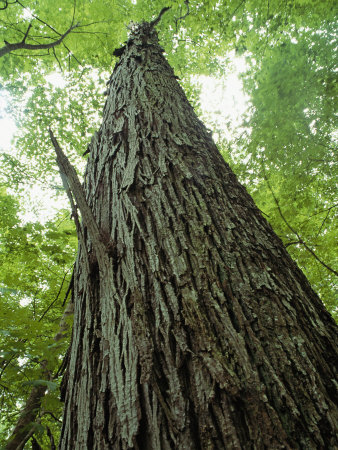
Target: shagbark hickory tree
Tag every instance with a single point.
(193, 328)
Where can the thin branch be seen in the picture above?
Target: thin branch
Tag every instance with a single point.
(92, 23)
(300, 240)
(319, 260)
(38, 18)
(37, 55)
(22, 45)
(7, 363)
(7, 4)
(237, 8)
(325, 210)
(265, 214)
(56, 298)
(26, 34)
(184, 16)
(51, 438)
(70, 287)
(154, 22)
(327, 215)
(36, 37)
(63, 365)
(320, 228)
(292, 243)
(52, 415)
(73, 12)
(57, 59)
(71, 54)
(90, 32)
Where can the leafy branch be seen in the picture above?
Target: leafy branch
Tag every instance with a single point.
(184, 15)
(327, 215)
(10, 47)
(7, 48)
(300, 240)
(6, 4)
(56, 298)
(26, 424)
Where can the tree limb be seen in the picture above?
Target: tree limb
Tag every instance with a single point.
(70, 287)
(70, 53)
(38, 18)
(51, 439)
(7, 4)
(56, 298)
(22, 45)
(35, 444)
(185, 15)
(292, 243)
(154, 22)
(300, 240)
(74, 188)
(26, 34)
(25, 426)
(23, 431)
(52, 415)
(57, 59)
(327, 215)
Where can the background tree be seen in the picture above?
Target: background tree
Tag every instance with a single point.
(290, 153)
(264, 32)
(36, 267)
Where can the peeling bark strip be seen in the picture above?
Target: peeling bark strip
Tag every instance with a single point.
(197, 331)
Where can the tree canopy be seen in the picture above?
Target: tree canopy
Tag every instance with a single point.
(283, 152)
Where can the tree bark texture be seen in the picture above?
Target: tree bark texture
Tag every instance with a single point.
(193, 328)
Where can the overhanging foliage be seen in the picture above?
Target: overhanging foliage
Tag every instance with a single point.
(286, 158)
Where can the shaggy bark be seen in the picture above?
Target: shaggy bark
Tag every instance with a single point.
(193, 328)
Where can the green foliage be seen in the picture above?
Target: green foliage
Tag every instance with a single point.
(49, 384)
(92, 42)
(69, 111)
(36, 262)
(287, 158)
(285, 154)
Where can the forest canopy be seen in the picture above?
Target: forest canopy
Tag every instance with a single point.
(283, 151)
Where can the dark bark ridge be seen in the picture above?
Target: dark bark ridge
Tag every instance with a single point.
(193, 328)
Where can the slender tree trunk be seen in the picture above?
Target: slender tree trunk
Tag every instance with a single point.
(193, 329)
(28, 419)
(26, 424)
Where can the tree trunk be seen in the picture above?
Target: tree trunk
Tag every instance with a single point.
(193, 328)
(26, 424)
